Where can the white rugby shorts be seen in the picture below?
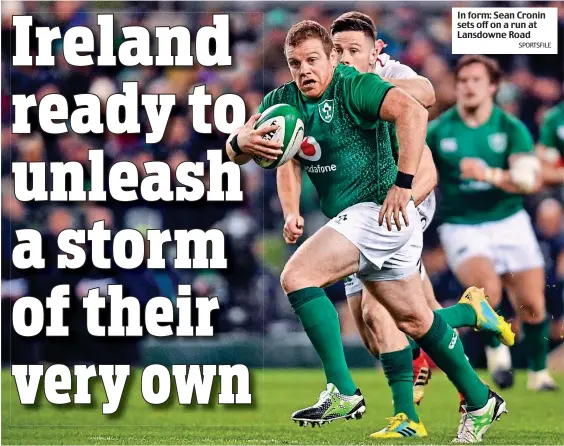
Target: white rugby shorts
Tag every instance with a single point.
(384, 255)
(510, 243)
(426, 210)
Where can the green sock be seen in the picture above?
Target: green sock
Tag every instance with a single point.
(416, 350)
(458, 315)
(399, 371)
(321, 323)
(536, 345)
(443, 346)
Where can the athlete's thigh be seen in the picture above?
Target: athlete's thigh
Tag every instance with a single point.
(321, 260)
(526, 291)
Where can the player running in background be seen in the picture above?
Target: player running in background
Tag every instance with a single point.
(486, 162)
(355, 40)
(374, 228)
(551, 145)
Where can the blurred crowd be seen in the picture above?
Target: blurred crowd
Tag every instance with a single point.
(251, 300)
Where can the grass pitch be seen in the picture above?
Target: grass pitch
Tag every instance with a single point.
(533, 418)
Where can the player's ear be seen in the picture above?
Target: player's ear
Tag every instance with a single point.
(373, 56)
(379, 45)
(334, 57)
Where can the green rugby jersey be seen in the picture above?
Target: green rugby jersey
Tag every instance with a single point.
(552, 129)
(450, 139)
(347, 148)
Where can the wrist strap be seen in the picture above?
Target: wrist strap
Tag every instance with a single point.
(404, 180)
(235, 146)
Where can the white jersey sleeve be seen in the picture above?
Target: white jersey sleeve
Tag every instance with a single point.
(387, 67)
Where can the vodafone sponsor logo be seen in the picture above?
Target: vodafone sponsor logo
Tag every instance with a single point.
(320, 169)
(311, 150)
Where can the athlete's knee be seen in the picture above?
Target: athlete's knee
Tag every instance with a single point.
(294, 278)
(493, 289)
(532, 309)
(289, 279)
(415, 324)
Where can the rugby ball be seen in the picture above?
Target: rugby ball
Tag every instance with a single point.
(290, 133)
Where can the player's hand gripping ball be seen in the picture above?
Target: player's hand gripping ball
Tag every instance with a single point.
(290, 133)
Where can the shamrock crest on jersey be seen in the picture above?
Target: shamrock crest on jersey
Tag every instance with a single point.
(326, 110)
(498, 142)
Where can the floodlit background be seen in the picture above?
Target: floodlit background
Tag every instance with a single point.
(253, 305)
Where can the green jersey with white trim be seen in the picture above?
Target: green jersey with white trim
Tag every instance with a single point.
(450, 139)
(347, 150)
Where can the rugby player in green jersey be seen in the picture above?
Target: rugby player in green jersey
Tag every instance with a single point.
(374, 228)
(486, 162)
(551, 145)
